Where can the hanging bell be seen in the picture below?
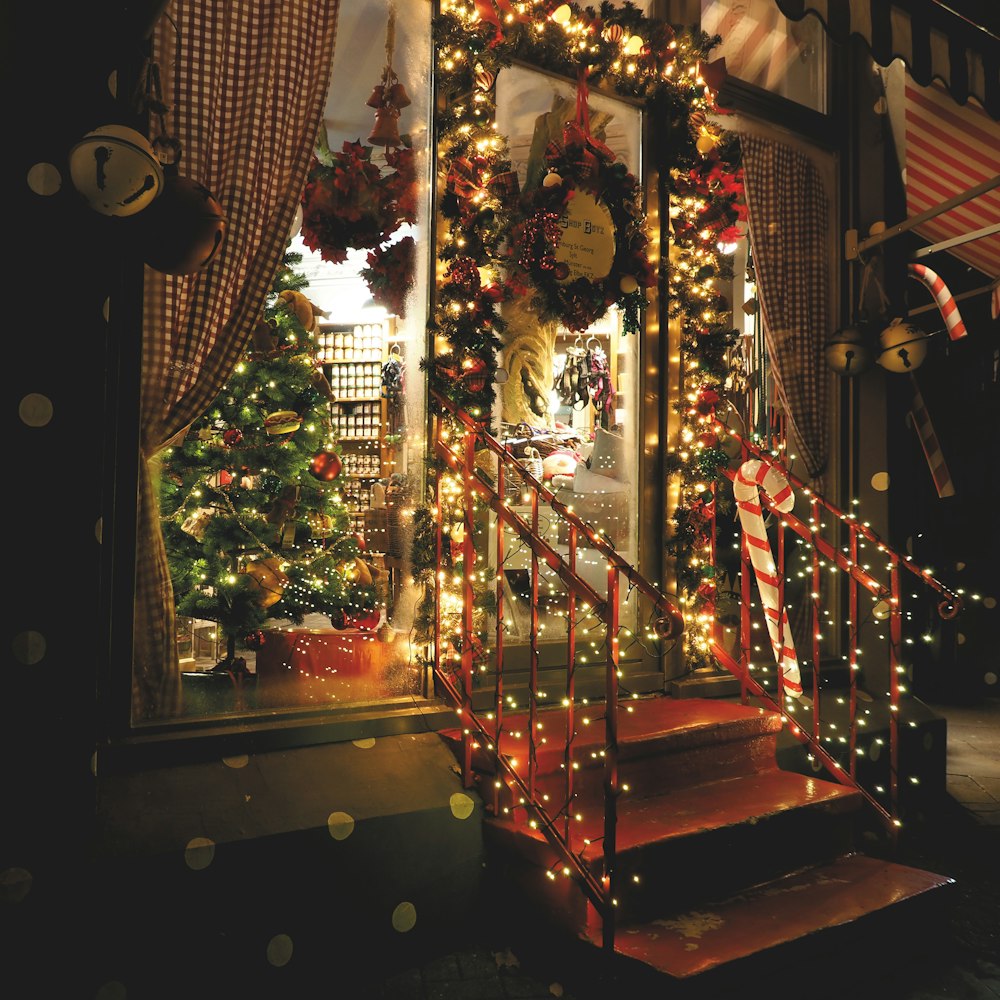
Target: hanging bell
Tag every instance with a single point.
(385, 132)
(375, 101)
(398, 97)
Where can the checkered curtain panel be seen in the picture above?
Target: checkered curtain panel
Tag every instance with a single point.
(789, 223)
(247, 83)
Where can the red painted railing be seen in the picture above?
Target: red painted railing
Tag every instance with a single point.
(824, 551)
(458, 440)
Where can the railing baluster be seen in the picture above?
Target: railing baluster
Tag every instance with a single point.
(817, 584)
(745, 571)
(713, 603)
(570, 687)
(611, 786)
(895, 647)
(468, 605)
(782, 611)
(852, 661)
(498, 705)
(533, 654)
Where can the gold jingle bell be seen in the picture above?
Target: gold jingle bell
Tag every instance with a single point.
(386, 131)
(904, 347)
(115, 169)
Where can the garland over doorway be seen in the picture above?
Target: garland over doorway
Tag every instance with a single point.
(493, 245)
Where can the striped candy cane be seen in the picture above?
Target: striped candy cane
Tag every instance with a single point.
(945, 300)
(753, 476)
(930, 444)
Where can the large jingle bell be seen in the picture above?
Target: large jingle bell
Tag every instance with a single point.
(375, 100)
(115, 169)
(386, 130)
(904, 347)
(183, 229)
(847, 353)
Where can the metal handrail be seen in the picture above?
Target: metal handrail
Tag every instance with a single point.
(953, 604)
(459, 456)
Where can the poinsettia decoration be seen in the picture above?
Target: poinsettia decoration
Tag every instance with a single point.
(389, 274)
(348, 203)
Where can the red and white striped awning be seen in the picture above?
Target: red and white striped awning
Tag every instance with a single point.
(951, 148)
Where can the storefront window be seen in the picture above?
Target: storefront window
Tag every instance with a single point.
(763, 48)
(285, 504)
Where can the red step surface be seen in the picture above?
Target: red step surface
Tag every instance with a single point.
(717, 740)
(778, 912)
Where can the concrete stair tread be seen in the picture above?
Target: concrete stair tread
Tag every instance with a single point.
(645, 726)
(694, 810)
(785, 910)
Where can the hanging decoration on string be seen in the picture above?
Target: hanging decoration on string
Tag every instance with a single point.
(580, 244)
(389, 96)
(943, 298)
(753, 476)
(183, 230)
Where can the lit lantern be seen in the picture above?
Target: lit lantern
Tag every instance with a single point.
(847, 353)
(904, 347)
(116, 170)
(562, 13)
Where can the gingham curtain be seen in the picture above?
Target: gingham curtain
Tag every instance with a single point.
(789, 235)
(247, 83)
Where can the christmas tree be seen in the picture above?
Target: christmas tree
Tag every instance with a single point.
(253, 520)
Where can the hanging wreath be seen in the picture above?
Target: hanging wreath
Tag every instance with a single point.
(580, 243)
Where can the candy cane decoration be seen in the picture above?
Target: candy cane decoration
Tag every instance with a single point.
(753, 476)
(945, 300)
(930, 444)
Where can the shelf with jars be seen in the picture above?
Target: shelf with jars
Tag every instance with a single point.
(352, 356)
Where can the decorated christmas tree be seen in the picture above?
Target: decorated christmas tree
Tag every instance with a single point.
(253, 519)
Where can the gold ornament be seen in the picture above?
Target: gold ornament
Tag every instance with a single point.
(266, 579)
(904, 347)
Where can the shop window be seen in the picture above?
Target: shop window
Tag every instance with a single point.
(284, 501)
(766, 50)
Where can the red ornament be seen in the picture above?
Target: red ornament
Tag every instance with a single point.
(708, 440)
(360, 539)
(474, 374)
(254, 640)
(561, 270)
(669, 626)
(232, 437)
(182, 230)
(368, 620)
(339, 619)
(225, 477)
(326, 466)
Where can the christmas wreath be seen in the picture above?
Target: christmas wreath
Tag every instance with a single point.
(348, 202)
(588, 197)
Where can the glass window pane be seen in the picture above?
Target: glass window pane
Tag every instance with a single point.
(764, 48)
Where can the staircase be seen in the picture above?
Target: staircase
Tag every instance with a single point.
(721, 858)
(658, 834)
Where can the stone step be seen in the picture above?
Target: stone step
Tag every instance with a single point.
(664, 743)
(706, 840)
(799, 909)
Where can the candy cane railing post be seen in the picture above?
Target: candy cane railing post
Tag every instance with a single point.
(753, 476)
